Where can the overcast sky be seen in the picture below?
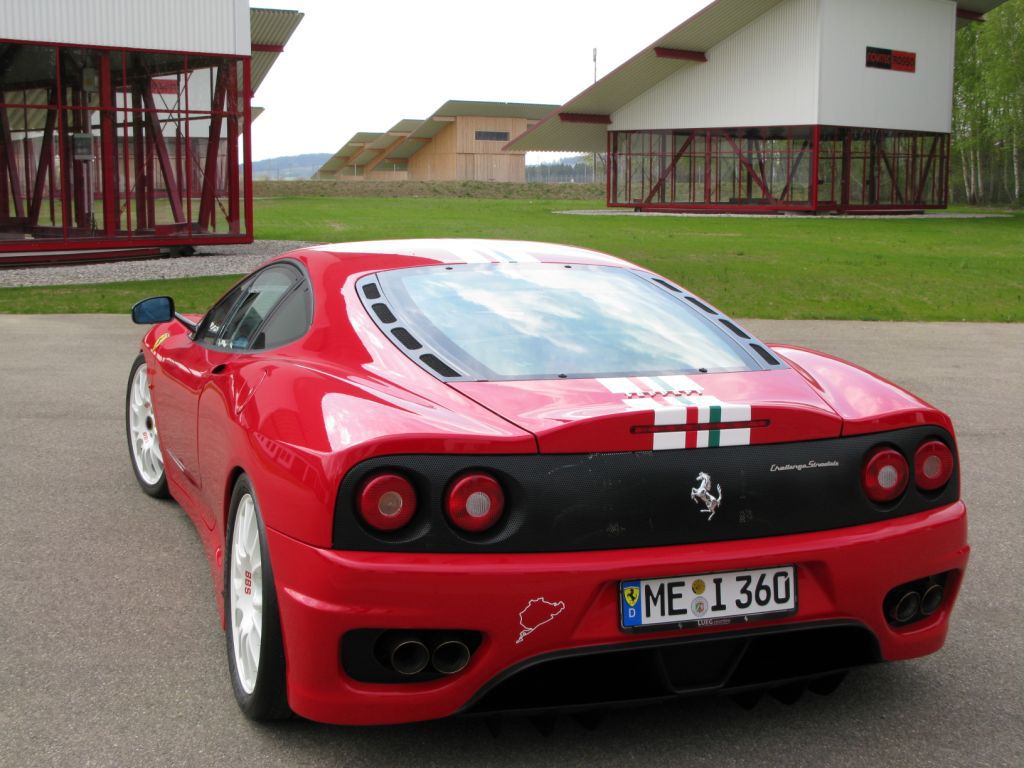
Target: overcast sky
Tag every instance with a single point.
(363, 67)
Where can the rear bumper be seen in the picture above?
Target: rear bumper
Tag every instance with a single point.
(843, 577)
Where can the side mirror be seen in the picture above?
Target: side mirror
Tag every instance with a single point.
(158, 309)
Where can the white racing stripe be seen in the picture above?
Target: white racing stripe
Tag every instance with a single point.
(669, 407)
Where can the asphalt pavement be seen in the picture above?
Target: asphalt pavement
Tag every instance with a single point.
(111, 653)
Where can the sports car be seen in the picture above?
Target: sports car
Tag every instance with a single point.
(438, 477)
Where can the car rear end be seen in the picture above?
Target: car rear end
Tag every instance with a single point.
(734, 528)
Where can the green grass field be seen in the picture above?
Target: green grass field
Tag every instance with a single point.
(864, 269)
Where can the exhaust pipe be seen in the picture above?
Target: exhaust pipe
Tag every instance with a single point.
(906, 607)
(932, 599)
(408, 656)
(450, 656)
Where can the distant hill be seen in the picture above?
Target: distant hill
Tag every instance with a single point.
(291, 167)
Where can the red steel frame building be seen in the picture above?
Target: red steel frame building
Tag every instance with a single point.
(113, 151)
(763, 106)
(794, 168)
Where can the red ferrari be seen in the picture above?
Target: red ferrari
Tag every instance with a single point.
(456, 476)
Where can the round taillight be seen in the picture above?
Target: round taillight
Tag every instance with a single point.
(933, 465)
(885, 475)
(475, 502)
(387, 501)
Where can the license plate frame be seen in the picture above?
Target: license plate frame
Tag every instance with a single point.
(709, 618)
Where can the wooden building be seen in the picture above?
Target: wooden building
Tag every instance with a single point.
(461, 141)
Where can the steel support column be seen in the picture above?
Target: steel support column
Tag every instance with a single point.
(10, 169)
(108, 143)
(158, 145)
(45, 164)
(209, 193)
(139, 153)
(231, 106)
(815, 166)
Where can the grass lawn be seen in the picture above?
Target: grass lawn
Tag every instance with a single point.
(865, 269)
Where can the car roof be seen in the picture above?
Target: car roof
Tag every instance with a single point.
(475, 251)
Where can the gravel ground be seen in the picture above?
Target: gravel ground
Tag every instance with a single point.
(210, 260)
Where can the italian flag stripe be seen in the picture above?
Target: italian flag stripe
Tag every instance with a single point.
(715, 417)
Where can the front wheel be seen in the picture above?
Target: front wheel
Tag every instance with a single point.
(143, 438)
(255, 649)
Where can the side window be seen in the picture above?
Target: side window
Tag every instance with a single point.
(290, 320)
(259, 297)
(215, 319)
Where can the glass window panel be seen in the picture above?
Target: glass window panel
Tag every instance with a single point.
(538, 321)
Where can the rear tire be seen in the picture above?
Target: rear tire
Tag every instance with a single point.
(252, 623)
(143, 438)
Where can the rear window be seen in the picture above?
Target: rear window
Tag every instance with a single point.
(522, 321)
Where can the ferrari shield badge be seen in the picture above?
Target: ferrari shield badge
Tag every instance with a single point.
(632, 595)
(702, 495)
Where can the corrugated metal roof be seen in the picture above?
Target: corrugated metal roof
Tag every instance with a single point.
(457, 108)
(273, 27)
(405, 126)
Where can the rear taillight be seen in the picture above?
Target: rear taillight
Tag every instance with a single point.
(475, 502)
(885, 475)
(387, 501)
(933, 465)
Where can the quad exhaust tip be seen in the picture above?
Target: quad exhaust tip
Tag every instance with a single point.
(907, 607)
(409, 656)
(931, 599)
(450, 656)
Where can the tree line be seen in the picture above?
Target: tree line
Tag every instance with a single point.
(988, 109)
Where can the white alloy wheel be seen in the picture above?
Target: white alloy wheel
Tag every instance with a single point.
(246, 585)
(142, 433)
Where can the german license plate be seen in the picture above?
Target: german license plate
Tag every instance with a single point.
(708, 599)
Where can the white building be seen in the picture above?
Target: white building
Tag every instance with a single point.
(805, 105)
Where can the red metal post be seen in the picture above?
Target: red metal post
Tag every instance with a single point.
(844, 202)
(83, 195)
(231, 107)
(815, 166)
(108, 144)
(209, 194)
(45, 159)
(247, 145)
(188, 147)
(611, 171)
(707, 167)
(124, 149)
(139, 151)
(159, 146)
(11, 169)
(150, 179)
